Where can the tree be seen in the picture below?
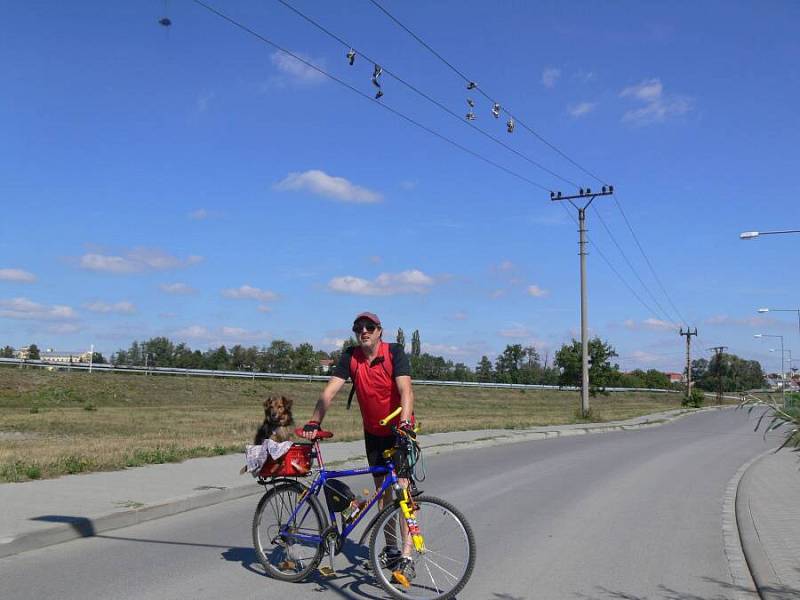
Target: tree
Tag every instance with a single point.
(304, 359)
(416, 343)
(217, 360)
(98, 358)
(461, 372)
(160, 351)
(279, 356)
(483, 370)
(33, 352)
(400, 338)
(7, 352)
(601, 371)
(508, 364)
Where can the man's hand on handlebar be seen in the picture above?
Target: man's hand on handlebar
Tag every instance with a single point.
(407, 428)
(310, 430)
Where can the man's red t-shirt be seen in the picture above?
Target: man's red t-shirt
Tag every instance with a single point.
(375, 383)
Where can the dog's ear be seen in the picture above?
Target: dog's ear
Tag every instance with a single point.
(287, 402)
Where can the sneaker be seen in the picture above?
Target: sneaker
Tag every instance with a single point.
(389, 557)
(404, 572)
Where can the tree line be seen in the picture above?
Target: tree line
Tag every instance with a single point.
(516, 364)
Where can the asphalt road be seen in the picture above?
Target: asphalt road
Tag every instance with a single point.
(628, 515)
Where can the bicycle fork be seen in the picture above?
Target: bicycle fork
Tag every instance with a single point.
(407, 507)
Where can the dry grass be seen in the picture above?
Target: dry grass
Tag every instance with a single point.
(75, 422)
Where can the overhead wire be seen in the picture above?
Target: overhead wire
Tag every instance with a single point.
(664, 314)
(537, 135)
(368, 97)
(423, 94)
(485, 94)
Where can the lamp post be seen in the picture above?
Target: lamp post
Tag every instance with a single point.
(794, 310)
(783, 372)
(750, 235)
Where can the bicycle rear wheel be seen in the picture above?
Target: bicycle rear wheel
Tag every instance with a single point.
(282, 545)
(443, 568)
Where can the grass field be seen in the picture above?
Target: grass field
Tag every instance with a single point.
(58, 422)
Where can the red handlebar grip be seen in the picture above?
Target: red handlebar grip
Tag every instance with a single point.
(320, 433)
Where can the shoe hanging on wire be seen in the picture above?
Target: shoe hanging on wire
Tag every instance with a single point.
(472, 85)
(351, 56)
(470, 114)
(376, 73)
(510, 125)
(496, 110)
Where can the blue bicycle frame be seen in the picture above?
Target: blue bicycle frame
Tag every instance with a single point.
(319, 482)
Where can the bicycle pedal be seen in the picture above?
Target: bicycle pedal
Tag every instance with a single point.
(327, 571)
(400, 578)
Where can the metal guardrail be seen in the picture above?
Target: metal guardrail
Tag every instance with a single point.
(293, 376)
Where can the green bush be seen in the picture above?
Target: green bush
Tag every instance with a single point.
(695, 399)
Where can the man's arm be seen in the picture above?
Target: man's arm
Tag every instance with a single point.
(325, 398)
(406, 396)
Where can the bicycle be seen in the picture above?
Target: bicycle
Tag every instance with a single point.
(292, 532)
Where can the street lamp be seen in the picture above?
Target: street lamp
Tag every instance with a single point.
(783, 372)
(797, 310)
(749, 235)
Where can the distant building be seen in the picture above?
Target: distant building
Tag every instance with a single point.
(325, 365)
(52, 356)
(676, 377)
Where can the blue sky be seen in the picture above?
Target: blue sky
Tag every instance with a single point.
(194, 182)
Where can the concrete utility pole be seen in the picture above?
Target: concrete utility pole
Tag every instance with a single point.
(689, 333)
(583, 194)
(718, 350)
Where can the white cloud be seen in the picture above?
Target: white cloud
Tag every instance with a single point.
(550, 76)
(505, 265)
(136, 260)
(203, 102)
(497, 294)
(62, 328)
(17, 275)
(24, 309)
(651, 325)
(408, 184)
(458, 316)
(197, 332)
(321, 184)
(263, 308)
(296, 70)
(516, 331)
(412, 281)
(754, 322)
(123, 307)
(248, 292)
(582, 109)
(657, 106)
(199, 214)
(222, 335)
(536, 291)
(177, 289)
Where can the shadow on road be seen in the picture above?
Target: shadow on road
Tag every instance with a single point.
(726, 590)
(82, 525)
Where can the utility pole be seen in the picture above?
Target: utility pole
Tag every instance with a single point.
(583, 194)
(718, 350)
(689, 333)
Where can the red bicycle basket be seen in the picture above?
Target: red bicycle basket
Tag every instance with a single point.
(296, 462)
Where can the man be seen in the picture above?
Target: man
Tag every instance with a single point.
(382, 380)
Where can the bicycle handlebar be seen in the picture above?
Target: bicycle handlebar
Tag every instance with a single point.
(390, 416)
(320, 434)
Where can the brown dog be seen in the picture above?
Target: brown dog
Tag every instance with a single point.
(278, 420)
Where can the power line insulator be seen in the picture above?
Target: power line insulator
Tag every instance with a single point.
(510, 126)
(351, 56)
(496, 110)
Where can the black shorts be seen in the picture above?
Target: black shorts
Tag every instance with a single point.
(376, 444)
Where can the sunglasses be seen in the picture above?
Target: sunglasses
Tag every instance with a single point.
(359, 327)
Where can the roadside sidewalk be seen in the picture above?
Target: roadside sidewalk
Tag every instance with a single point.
(769, 524)
(41, 513)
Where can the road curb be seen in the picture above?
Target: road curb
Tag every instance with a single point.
(741, 575)
(82, 527)
(766, 581)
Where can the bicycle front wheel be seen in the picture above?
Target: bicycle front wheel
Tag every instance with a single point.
(437, 573)
(288, 548)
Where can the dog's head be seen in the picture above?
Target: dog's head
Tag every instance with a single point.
(278, 410)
